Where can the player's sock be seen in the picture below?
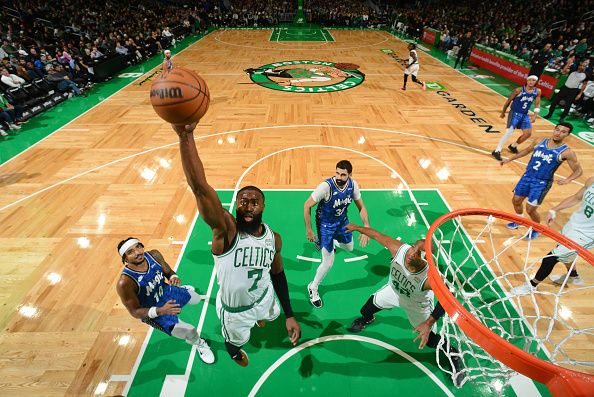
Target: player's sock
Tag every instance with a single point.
(574, 273)
(546, 267)
(504, 138)
(233, 350)
(323, 268)
(369, 309)
(185, 331)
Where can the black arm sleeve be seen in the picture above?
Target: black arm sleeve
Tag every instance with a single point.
(438, 311)
(279, 282)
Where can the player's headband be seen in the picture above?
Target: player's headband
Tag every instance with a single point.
(127, 245)
(532, 77)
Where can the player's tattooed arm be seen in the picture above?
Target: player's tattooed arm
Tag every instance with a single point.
(522, 153)
(127, 290)
(167, 270)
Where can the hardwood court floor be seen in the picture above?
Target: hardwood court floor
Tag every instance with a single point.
(116, 172)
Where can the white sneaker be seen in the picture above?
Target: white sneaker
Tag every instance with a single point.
(204, 351)
(577, 280)
(314, 297)
(14, 126)
(523, 289)
(3, 133)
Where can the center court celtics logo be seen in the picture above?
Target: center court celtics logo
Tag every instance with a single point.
(307, 76)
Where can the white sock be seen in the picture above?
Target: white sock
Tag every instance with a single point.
(185, 331)
(323, 268)
(347, 247)
(504, 138)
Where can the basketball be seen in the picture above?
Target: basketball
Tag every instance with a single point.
(180, 97)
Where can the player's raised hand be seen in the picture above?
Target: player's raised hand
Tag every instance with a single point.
(363, 240)
(293, 329)
(182, 130)
(170, 307)
(423, 330)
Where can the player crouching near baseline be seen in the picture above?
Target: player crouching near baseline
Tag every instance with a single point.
(145, 294)
(408, 287)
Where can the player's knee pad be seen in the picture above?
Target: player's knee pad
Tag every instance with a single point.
(183, 330)
(194, 296)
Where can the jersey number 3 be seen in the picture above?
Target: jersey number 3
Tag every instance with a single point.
(251, 274)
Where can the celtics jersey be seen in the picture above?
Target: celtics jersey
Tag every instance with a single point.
(582, 220)
(406, 284)
(243, 272)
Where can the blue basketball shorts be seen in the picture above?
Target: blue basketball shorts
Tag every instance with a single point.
(328, 232)
(533, 188)
(518, 120)
(166, 322)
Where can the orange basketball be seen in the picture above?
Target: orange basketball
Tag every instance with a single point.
(180, 97)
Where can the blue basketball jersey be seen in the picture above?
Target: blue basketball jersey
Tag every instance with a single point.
(335, 209)
(544, 161)
(522, 102)
(151, 285)
(169, 65)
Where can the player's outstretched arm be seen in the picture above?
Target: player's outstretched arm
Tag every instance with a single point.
(522, 153)
(167, 270)
(126, 289)
(279, 283)
(575, 166)
(390, 243)
(209, 205)
(424, 329)
(363, 238)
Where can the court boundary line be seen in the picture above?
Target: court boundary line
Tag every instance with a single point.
(97, 104)
(244, 130)
(331, 338)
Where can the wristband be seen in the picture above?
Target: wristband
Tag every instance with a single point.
(152, 313)
(553, 213)
(536, 110)
(173, 276)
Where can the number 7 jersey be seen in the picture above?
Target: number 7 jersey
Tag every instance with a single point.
(243, 272)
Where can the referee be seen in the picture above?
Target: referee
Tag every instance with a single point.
(569, 92)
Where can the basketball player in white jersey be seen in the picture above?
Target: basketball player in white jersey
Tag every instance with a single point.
(167, 64)
(579, 228)
(247, 256)
(412, 67)
(408, 287)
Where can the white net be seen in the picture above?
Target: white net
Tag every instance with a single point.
(481, 264)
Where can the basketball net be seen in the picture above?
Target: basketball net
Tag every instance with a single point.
(496, 333)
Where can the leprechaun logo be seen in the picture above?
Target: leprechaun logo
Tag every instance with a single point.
(307, 76)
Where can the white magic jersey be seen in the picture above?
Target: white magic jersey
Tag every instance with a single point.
(243, 272)
(582, 220)
(406, 284)
(410, 58)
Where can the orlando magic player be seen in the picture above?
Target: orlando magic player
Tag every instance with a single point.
(408, 287)
(412, 67)
(247, 256)
(579, 228)
(521, 99)
(145, 294)
(167, 63)
(547, 156)
(333, 197)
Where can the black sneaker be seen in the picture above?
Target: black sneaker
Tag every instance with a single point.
(314, 297)
(497, 155)
(459, 374)
(359, 324)
(513, 149)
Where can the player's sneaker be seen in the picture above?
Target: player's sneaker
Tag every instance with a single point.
(497, 155)
(513, 149)
(204, 351)
(241, 358)
(459, 374)
(403, 88)
(314, 297)
(424, 87)
(575, 280)
(261, 323)
(532, 234)
(513, 225)
(524, 289)
(359, 324)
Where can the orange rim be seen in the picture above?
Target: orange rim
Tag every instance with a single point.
(560, 381)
